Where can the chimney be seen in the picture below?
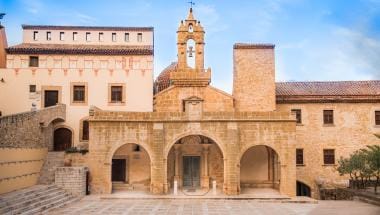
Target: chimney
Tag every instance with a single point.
(3, 45)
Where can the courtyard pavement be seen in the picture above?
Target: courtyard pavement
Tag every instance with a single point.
(213, 206)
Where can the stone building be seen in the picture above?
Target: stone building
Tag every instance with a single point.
(286, 136)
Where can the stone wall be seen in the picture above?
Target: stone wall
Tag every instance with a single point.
(31, 129)
(354, 128)
(72, 179)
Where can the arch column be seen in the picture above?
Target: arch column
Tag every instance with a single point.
(231, 165)
(159, 184)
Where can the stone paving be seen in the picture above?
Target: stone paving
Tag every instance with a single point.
(214, 206)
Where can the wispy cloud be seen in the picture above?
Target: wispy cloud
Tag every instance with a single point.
(83, 18)
(32, 6)
(210, 18)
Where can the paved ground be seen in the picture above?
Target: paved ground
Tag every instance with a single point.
(199, 206)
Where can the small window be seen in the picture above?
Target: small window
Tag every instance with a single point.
(61, 36)
(88, 34)
(137, 148)
(35, 35)
(85, 130)
(297, 112)
(191, 28)
(79, 93)
(32, 88)
(329, 156)
(116, 94)
(75, 36)
(126, 37)
(328, 117)
(101, 36)
(113, 37)
(377, 117)
(48, 35)
(299, 156)
(139, 37)
(33, 61)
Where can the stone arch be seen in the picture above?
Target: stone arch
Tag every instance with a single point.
(116, 146)
(218, 142)
(245, 148)
(63, 137)
(303, 189)
(259, 167)
(131, 161)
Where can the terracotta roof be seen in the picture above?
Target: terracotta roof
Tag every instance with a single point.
(163, 80)
(334, 91)
(93, 28)
(253, 46)
(28, 48)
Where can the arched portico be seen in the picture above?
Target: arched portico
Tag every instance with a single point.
(195, 161)
(130, 168)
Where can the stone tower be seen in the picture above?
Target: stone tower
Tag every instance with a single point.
(190, 43)
(254, 77)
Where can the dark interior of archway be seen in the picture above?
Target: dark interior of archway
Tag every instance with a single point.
(303, 189)
(62, 139)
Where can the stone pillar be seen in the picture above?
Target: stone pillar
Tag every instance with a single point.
(177, 151)
(231, 155)
(158, 164)
(205, 177)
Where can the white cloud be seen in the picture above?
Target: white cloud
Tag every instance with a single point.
(85, 19)
(210, 18)
(32, 6)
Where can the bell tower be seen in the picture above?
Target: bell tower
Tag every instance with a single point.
(190, 69)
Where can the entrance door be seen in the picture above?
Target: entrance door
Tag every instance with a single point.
(118, 169)
(51, 98)
(62, 139)
(191, 170)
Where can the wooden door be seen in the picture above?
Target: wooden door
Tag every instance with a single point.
(62, 139)
(191, 171)
(118, 169)
(51, 98)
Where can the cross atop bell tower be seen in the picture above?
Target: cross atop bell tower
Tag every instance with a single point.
(190, 45)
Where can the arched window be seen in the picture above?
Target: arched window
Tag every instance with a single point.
(191, 53)
(62, 139)
(85, 130)
(191, 29)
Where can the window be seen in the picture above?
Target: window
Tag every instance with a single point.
(116, 94)
(113, 37)
(328, 117)
(377, 117)
(297, 112)
(75, 35)
(101, 36)
(35, 35)
(48, 35)
(88, 34)
(79, 93)
(299, 156)
(32, 88)
(126, 37)
(33, 61)
(137, 148)
(191, 28)
(85, 130)
(329, 156)
(61, 36)
(139, 37)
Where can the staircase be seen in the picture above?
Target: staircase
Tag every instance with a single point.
(52, 161)
(35, 199)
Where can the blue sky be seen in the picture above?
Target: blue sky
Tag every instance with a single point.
(316, 40)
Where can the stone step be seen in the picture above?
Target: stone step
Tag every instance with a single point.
(26, 202)
(20, 199)
(28, 193)
(55, 203)
(38, 204)
(57, 206)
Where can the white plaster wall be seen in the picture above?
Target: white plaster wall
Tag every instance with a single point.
(147, 37)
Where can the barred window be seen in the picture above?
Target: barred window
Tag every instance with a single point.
(116, 94)
(79, 93)
(33, 61)
(329, 156)
(328, 117)
(299, 156)
(297, 112)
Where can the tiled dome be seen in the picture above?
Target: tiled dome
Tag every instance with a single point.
(163, 80)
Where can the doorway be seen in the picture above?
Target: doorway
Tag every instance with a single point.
(51, 98)
(118, 170)
(191, 171)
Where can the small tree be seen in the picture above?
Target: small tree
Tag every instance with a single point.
(373, 158)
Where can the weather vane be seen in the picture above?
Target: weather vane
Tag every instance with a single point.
(1, 16)
(191, 4)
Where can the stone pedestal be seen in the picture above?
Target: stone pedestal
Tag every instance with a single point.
(205, 182)
(72, 179)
